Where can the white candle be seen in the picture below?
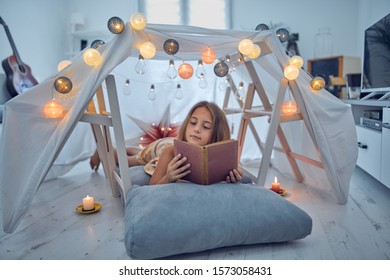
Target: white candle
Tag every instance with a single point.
(88, 203)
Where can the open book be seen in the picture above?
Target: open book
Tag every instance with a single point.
(211, 163)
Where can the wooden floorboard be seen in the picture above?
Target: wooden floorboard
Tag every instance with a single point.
(53, 230)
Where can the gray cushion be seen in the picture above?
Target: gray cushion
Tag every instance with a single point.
(170, 219)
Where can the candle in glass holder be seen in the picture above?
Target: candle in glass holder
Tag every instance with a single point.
(88, 203)
(275, 185)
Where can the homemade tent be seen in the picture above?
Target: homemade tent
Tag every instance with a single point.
(31, 142)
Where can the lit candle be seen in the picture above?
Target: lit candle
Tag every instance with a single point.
(276, 185)
(88, 203)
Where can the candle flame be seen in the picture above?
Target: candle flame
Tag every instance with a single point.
(276, 179)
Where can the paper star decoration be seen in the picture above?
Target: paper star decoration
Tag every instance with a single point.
(152, 132)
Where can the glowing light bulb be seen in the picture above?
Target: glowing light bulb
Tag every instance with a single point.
(200, 71)
(152, 93)
(245, 46)
(317, 84)
(140, 66)
(208, 55)
(296, 60)
(240, 92)
(147, 50)
(255, 53)
(92, 57)
(291, 72)
(126, 88)
(289, 107)
(185, 70)
(53, 109)
(138, 21)
(63, 64)
(179, 92)
(172, 72)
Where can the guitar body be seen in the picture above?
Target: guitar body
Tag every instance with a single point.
(19, 77)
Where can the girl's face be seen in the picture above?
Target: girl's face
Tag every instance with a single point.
(199, 127)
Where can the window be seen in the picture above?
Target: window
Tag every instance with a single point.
(204, 13)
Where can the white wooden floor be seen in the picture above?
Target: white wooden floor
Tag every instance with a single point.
(52, 229)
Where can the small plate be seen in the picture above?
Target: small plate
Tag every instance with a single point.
(282, 191)
(80, 209)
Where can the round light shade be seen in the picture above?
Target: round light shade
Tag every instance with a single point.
(317, 83)
(185, 71)
(255, 52)
(296, 60)
(282, 34)
(221, 69)
(289, 107)
(138, 21)
(115, 25)
(245, 46)
(208, 55)
(92, 57)
(63, 64)
(262, 27)
(97, 43)
(53, 109)
(147, 50)
(63, 84)
(171, 46)
(291, 72)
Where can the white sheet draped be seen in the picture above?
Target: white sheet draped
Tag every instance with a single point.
(30, 143)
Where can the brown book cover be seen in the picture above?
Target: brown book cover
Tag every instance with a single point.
(211, 163)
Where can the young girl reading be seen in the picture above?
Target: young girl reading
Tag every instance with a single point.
(205, 123)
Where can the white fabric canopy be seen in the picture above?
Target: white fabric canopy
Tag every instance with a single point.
(30, 142)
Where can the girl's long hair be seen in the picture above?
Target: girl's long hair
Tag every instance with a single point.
(221, 130)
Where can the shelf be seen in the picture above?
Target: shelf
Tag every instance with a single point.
(369, 102)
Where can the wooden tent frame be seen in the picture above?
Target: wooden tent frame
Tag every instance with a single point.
(275, 118)
(102, 121)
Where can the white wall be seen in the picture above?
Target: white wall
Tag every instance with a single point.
(40, 27)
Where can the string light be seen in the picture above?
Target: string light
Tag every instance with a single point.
(200, 71)
(171, 72)
(245, 46)
(171, 46)
(147, 50)
(138, 21)
(53, 109)
(115, 25)
(92, 57)
(140, 66)
(185, 71)
(208, 55)
(63, 64)
(63, 85)
(291, 72)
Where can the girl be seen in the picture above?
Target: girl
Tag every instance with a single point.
(205, 123)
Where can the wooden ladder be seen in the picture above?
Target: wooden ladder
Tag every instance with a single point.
(275, 118)
(102, 121)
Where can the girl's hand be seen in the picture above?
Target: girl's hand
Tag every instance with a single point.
(176, 170)
(234, 176)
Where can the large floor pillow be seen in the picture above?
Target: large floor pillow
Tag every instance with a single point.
(170, 219)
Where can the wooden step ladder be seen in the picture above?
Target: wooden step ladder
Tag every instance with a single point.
(275, 118)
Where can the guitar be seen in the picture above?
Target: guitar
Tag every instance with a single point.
(19, 76)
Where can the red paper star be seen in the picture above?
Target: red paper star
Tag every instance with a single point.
(152, 132)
